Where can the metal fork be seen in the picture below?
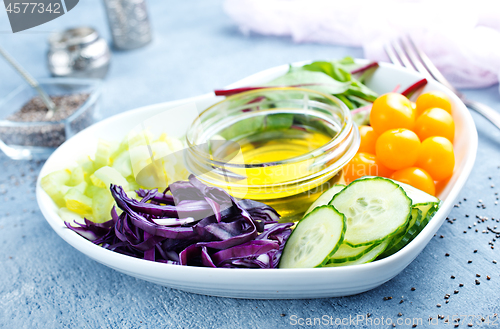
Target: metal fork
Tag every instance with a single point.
(404, 52)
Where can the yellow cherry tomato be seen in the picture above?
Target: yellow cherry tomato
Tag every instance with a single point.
(368, 139)
(365, 164)
(397, 148)
(433, 99)
(391, 111)
(417, 178)
(435, 122)
(436, 156)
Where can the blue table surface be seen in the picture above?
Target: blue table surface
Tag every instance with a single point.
(45, 283)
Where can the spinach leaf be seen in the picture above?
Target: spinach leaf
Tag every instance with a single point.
(318, 81)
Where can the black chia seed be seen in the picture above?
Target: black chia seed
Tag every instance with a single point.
(51, 134)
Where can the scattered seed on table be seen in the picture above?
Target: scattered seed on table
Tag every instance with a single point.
(414, 326)
(447, 301)
(438, 305)
(475, 250)
(470, 324)
(447, 254)
(477, 282)
(400, 314)
(283, 314)
(413, 289)
(455, 292)
(453, 277)
(478, 275)
(465, 231)
(401, 301)
(494, 261)
(441, 236)
(461, 285)
(388, 298)
(466, 215)
(469, 261)
(488, 277)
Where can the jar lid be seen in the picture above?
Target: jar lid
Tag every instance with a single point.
(73, 37)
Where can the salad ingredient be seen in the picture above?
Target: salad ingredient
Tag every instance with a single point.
(346, 253)
(52, 184)
(310, 79)
(435, 122)
(375, 208)
(365, 164)
(331, 77)
(368, 139)
(432, 99)
(315, 238)
(416, 177)
(413, 88)
(437, 157)
(363, 69)
(365, 258)
(197, 225)
(84, 189)
(398, 148)
(423, 207)
(391, 111)
(326, 197)
(417, 196)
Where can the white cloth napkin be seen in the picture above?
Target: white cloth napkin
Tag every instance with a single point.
(461, 37)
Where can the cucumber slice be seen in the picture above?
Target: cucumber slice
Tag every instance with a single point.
(347, 253)
(316, 237)
(417, 196)
(411, 231)
(366, 258)
(326, 197)
(375, 208)
(431, 207)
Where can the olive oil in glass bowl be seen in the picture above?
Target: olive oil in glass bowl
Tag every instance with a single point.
(280, 146)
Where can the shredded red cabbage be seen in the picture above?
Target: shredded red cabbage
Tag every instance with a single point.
(197, 225)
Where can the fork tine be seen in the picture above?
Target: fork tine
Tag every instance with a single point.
(392, 56)
(431, 68)
(401, 54)
(410, 50)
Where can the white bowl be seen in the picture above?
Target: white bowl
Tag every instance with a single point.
(259, 283)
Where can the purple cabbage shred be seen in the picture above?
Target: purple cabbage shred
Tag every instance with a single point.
(195, 225)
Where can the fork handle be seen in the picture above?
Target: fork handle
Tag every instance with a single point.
(486, 111)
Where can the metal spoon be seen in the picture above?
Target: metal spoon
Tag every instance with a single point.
(32, 82)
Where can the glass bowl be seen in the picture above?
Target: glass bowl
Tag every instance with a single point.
(281, 146)
(38, 139)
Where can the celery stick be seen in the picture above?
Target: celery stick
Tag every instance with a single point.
(52, 185)
(105, 176)
(78, 202)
